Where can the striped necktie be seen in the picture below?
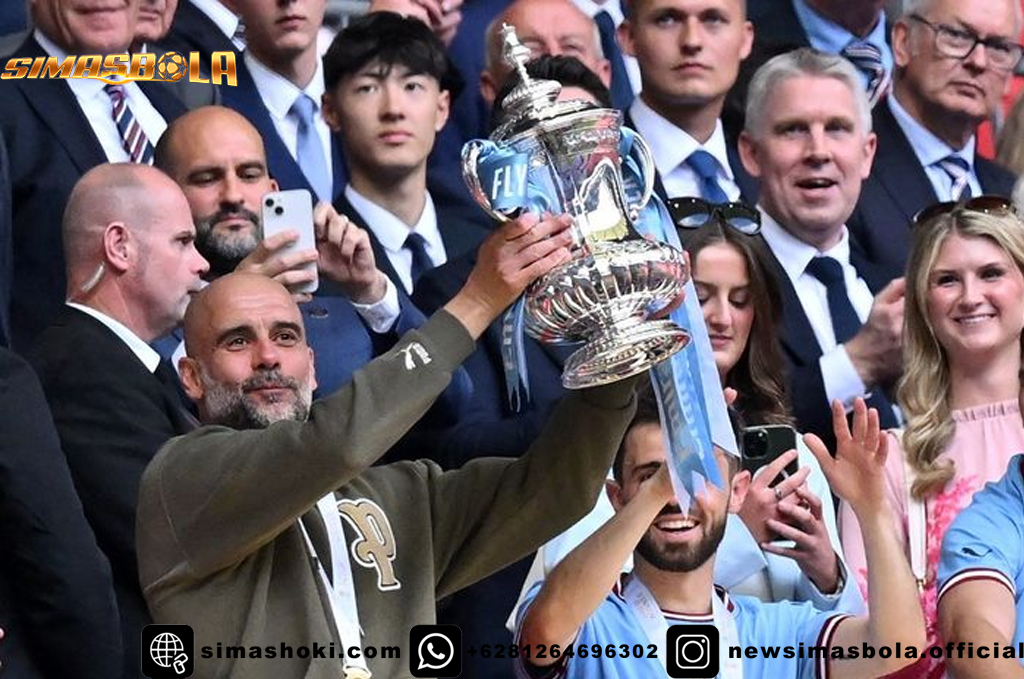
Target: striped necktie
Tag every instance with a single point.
(133, 138)
(868, 60)
(959, 172)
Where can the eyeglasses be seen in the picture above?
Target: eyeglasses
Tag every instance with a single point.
(987, 204)
(958, 43)
(693, 213)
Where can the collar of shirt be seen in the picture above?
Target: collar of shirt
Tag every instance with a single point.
(143, 351)
(591, 9)
(672, 145)
(928, 148)
(793, 254)
(82, 88)
(226, 20)
(392, 231)
(278, 93)
(828, 36)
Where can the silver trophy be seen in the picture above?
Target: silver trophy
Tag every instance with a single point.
(569, 156)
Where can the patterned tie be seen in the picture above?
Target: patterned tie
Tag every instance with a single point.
(845, 321)
(868, 60)
(133, 139)
(310, 153)
(706, 167)
(621, 88)
(421, 262)
(959, 172)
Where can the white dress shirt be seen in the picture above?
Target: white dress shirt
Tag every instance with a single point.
(98, 108)
(226, 20)
(279, 94)
(143, 351)
(929, 150)
(614, 9)
(840, 377)
(671, 146)
(392, 233)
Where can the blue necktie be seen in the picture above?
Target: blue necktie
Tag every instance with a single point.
(421, 262)
(960, 174)
(621, 89)
(706, 167)
(845, 321)
(868, 60)
(310, 153)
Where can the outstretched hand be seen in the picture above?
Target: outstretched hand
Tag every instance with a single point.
(857, 473)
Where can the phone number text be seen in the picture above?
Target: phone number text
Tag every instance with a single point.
(555, 651)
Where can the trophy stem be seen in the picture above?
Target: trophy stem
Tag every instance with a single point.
(615, 352)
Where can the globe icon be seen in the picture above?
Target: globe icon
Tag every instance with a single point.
(165, 648)
(172, 66)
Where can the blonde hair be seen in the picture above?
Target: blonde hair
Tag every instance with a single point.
(924, 389)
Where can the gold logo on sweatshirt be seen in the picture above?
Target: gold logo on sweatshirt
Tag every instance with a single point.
(375, 546)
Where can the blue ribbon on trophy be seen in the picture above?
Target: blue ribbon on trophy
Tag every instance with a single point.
(693, 409)
(506, 177)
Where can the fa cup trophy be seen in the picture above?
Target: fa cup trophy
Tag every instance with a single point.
(571, 157)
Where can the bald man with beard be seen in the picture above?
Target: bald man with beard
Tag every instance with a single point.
(132, 267)
(230, 515)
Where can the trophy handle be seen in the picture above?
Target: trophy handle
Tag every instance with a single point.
(470, 159)
(641, 153)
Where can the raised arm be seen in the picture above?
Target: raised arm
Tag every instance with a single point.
(578, 585)
(983, 613)
(857, 475)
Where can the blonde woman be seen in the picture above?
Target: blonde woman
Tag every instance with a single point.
(959, 393)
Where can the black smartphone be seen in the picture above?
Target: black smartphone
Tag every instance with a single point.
(763, 444)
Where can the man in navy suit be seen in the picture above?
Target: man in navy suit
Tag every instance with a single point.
(280, 87)
(688, 65)
(953, 61)
(389, 87)
(131, 269)
(56, 130)
(357, 313)
(808, 139)
(56, 595)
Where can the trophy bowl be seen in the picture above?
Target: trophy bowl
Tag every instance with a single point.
(605, 298)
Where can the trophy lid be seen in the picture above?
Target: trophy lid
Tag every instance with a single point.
(532, 100)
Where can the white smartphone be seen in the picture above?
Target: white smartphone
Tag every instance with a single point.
(292, 210)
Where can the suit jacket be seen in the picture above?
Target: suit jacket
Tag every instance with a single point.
(246, 99)
(193, 31)
(6, 256)
(898, 189)
(800, 348)
(776, 23)
(192, 95)
(50, 146)
(747, 184)
(56, 594)
(112, 416)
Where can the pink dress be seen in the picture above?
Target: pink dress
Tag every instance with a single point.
(986, 438)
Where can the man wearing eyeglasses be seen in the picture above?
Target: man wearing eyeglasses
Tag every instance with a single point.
(953, 61)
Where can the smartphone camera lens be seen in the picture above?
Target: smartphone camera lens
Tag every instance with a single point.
(269, 202)
(757, 446)
(279, 210)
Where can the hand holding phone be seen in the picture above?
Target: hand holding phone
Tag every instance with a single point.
(293, 211)
(764, 444)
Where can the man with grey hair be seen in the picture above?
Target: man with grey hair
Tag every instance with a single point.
(808, 139)
(953, 61)
(132, 268)
(547, 27)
